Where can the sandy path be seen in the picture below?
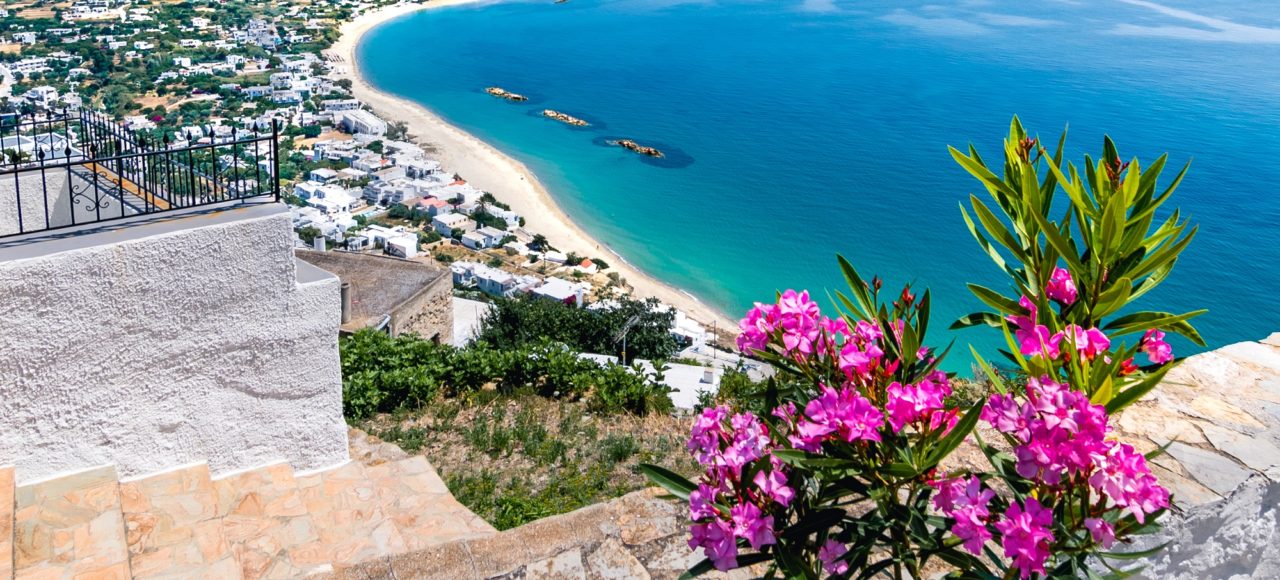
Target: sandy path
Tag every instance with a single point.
(495, 172)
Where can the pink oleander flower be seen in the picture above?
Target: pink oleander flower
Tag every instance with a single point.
(799, 319)
(1037, 341)
(858, 362)
(1061, 287)
(707, 434)
(1089, 343)
(867, 331)
(1027, 321)
(750, 441)
(1102, 532)
(1026, 536)
(717, 542)
(751, 525)
(1007, 415)
(774, 485)
(845, 415)
(911, 403)
(1059, 431)
(757, 327)
(701, 502)
(829, 554)
(1122, 475)
(966, 501)
(1156, 348)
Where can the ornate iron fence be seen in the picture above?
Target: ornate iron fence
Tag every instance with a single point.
(73, 168)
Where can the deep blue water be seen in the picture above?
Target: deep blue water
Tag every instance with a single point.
(799, 130)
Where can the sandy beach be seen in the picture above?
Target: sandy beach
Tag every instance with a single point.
(491, 170)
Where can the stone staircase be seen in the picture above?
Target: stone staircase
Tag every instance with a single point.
(267, 522)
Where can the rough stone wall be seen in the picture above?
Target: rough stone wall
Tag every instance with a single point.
(429, 313)
(639, 535)
(1238, 537)
(159, 345)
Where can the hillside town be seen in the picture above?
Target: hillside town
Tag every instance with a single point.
(203, 72)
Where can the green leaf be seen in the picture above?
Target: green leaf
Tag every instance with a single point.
(668, 480)
(858, 287)
(1143, 321)
(1059, 243)
(1113, 299)
(977, 318)
(980, 171)
(1134, 555)
(813, 522)
(1130, 395)
(953, 439)
(994, 299)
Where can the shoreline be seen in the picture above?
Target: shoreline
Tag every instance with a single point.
(492, 170)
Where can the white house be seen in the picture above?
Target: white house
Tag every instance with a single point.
(561, 290)
(403, 246)
(445, 223)
(360, 121)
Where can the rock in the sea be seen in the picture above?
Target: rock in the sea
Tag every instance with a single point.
(1235, 538)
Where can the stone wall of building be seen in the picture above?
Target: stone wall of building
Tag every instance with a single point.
(195, 338)
(429, 313)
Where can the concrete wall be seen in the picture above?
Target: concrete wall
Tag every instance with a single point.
(156, 345)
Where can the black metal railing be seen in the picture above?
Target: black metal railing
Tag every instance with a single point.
(66, 169)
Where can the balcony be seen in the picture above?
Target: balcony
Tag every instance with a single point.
(76, 168)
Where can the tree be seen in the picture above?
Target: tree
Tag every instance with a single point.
(517, 321)
(344, 83)
(397, 131)
(311, 131)
(539, 243)
(375, 147)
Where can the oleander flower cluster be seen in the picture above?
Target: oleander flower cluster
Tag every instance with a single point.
(843, 464)
(730, 503)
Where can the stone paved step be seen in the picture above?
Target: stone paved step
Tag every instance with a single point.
(266, 524)
(172, 526)
(348, 516)
(71, 527)
(6, 521)
(417, 500)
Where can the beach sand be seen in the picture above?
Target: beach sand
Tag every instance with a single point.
(491, 170)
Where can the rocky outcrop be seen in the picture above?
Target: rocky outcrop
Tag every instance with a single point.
(638, 148)
(1219, 412)
(505, 94)
(1238, 537)
(564, 118)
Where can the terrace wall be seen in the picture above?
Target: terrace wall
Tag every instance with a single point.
(148, 346)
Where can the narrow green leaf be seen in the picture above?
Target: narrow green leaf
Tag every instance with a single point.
(668, 480)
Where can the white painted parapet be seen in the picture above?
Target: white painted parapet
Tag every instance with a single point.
(196, 338)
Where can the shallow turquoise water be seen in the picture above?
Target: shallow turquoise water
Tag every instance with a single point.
(799, 130)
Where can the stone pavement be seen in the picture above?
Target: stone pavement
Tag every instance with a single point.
(261, 523)
(1219, 412)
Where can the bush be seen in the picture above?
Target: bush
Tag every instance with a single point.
(844, 473)
(519, 321)
(383, 374)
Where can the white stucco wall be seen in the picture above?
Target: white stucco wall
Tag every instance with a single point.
(167, 344)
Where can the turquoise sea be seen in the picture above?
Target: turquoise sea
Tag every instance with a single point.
(801, 129)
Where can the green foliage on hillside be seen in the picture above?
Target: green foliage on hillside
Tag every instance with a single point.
(384, 374)
(519, 321)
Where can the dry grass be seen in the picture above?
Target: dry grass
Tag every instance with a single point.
(517, 459)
